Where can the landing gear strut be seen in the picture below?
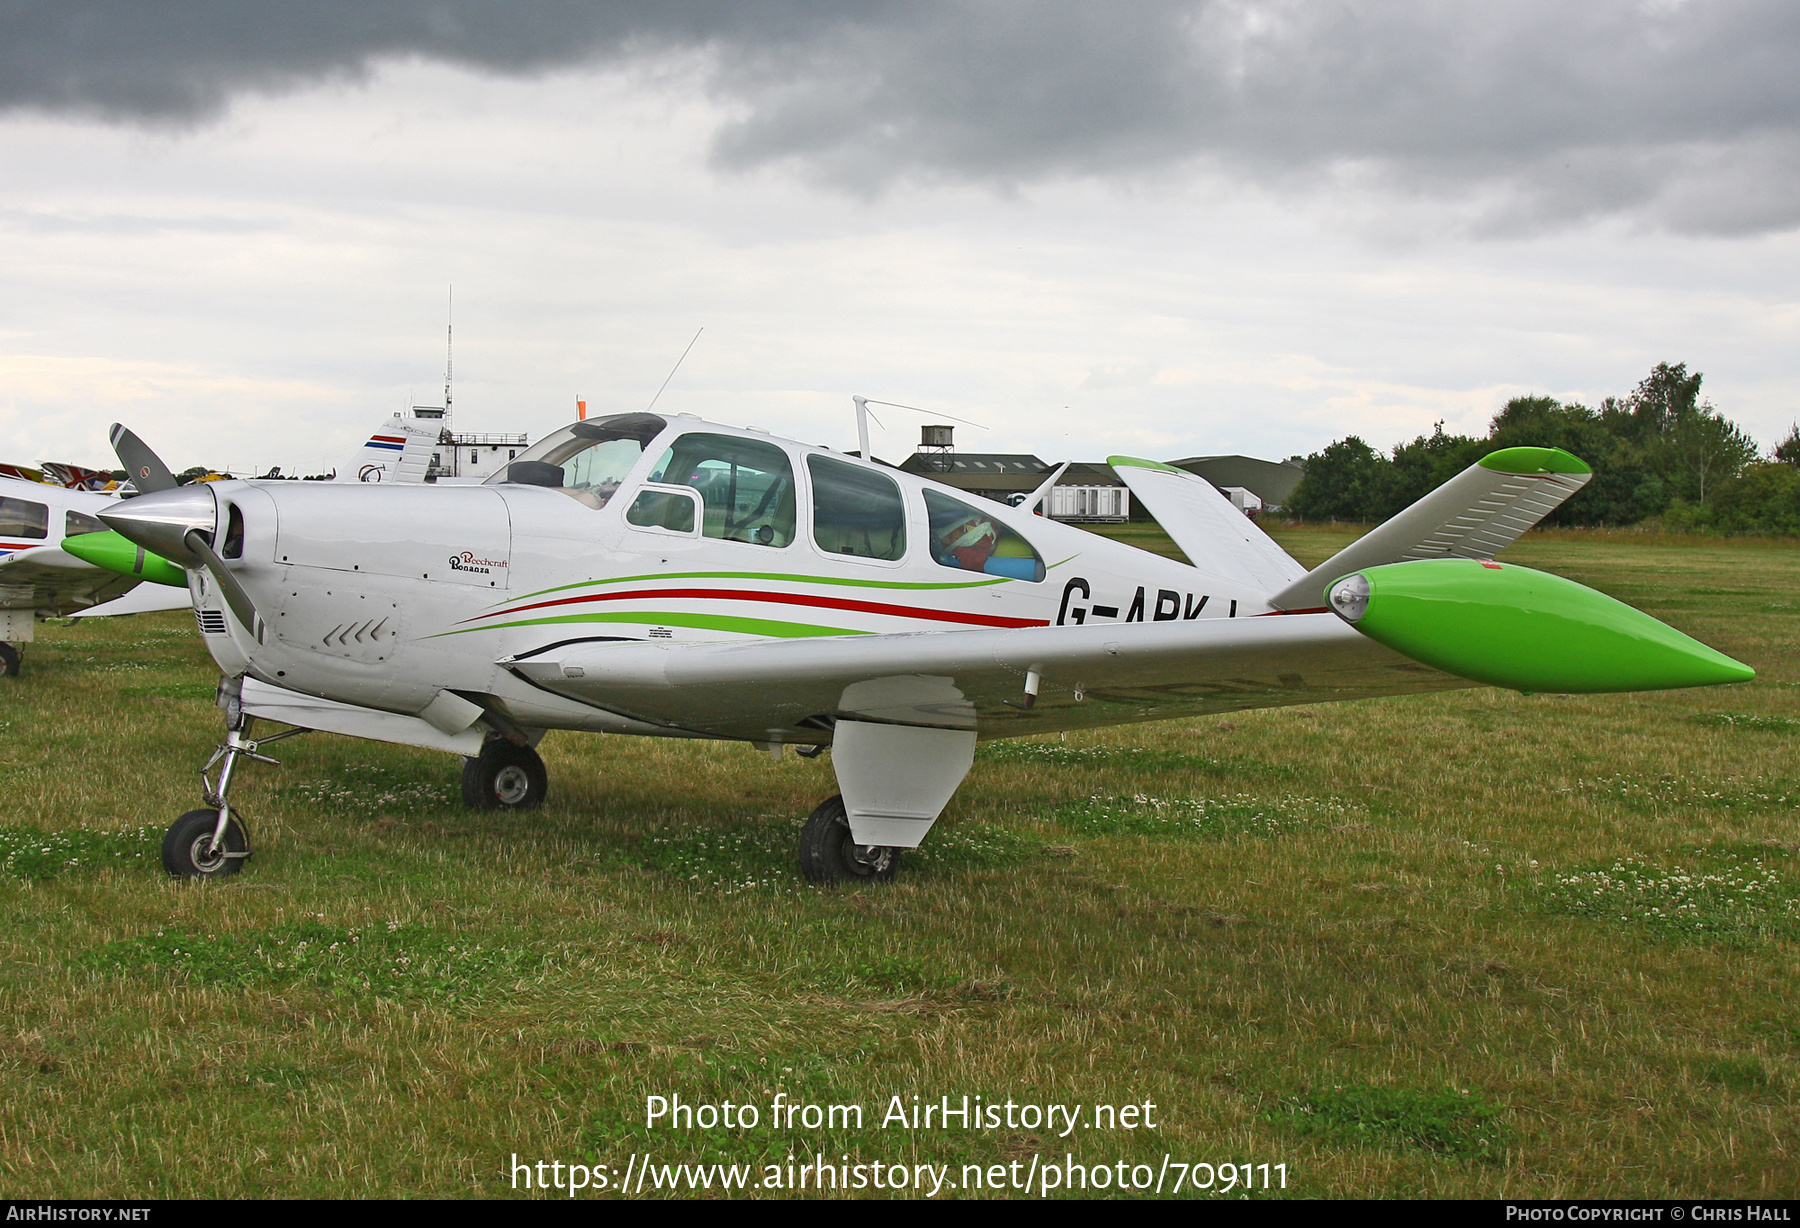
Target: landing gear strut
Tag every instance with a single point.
(211, 842)
(829, 855)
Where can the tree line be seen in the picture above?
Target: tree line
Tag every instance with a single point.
(1661, 454)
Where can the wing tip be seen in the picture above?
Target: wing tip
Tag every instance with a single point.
(1534, 460)
(1138, 462)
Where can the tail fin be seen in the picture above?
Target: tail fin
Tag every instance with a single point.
(398, 451)
(1474, 515)
(1214, 534)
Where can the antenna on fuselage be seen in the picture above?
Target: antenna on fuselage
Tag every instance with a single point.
(673, 370)
(863, 415)
(862, 425)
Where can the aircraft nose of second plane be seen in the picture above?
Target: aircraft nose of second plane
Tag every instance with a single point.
(159, 522)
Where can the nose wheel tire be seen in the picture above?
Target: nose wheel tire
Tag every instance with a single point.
(504, 777)
(188, 850)
(829, 855)
(9, 661)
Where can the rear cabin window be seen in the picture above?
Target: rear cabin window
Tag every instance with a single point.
(746, 487)
(856, 511)
(970, 539)
(23, 518)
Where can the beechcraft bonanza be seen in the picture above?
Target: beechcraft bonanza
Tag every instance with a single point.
(669, 577)
(58, 560)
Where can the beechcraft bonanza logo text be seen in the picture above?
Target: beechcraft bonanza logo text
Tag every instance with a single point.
(466, 561)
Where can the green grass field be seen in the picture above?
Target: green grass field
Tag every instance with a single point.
(1467, 945)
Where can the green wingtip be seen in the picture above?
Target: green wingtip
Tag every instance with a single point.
(1530, 631)
(1138, 462)
(1533, 460)
(113, 552)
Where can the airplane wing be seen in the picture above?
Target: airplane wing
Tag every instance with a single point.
(52, 581)
(1087, 675)
(143, 599)
(1474, 515)
(1213, 534)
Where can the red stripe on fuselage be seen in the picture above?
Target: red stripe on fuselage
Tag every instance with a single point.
(828, 603)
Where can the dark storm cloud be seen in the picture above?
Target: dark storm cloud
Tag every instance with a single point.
(1687, 114)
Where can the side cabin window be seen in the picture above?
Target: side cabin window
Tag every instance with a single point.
(23, 518)
(972, 540)
(856, 511)
(746, 486)
(669, 510)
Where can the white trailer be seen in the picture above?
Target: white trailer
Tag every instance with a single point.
(1090, 503)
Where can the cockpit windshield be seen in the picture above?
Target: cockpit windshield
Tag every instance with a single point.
(586, 460)
(599, 468)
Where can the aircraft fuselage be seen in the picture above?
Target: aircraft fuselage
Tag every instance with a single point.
(385, 596)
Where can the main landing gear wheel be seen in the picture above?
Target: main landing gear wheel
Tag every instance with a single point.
(188, 850)
(9, 661)
(829, 856)
(504, 777)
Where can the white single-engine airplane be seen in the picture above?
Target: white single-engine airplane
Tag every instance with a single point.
(674, 578)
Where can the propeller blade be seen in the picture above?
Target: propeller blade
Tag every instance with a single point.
(145, 467)
(234, 593)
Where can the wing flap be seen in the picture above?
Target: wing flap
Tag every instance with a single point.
(1475, 515)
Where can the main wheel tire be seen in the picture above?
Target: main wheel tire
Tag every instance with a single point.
(188, 851)
(9, 661)
(504, 777)
(829, 856)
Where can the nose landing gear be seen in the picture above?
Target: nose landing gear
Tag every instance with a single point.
(193, 847)
(211, 842)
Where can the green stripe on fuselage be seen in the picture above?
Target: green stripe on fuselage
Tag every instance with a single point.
(760, 575)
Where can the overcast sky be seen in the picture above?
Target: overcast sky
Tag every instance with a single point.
(1164, 228)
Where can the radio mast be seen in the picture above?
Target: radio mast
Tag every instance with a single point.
(449, 350)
